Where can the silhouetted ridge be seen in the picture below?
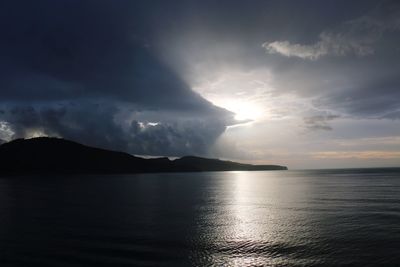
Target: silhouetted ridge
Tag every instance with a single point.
(192, 163)
(50, 155)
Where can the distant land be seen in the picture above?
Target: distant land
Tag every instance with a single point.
(56, 155)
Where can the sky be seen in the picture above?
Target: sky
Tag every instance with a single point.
(306, 84)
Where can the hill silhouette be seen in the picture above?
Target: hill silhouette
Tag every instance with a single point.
(56, 155)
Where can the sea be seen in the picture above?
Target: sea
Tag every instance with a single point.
(343, 217)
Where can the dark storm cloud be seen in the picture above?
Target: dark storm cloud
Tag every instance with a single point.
(86, 122)
(82, 49)
(69, 68)
(176, 138)
(95, 124)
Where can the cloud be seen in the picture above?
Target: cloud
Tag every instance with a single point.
(5, 131)
(372, 97)
(357, 37)
(96, 124)
(389, 141)
(374, 154)
(328, 44)
(302, 51)
(85, 71)
(363, 86)
(395, 115)
(173, 138)
(319, 122)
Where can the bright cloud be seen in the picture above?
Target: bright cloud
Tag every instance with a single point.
(356, 37)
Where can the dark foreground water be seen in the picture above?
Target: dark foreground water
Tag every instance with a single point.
(286, 218)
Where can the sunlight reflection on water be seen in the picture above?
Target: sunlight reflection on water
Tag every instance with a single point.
(257, 220)
(286, 218)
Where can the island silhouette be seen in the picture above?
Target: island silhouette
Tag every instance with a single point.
(57, 155)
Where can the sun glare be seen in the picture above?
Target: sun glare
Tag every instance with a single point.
(243, 93)
(247, 112)
(243, 110)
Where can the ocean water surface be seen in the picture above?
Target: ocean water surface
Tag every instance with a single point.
(275, 218)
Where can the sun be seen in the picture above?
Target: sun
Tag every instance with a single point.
(244, 110)
(247, 111)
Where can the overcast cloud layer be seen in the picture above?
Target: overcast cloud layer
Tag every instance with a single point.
(305, 80)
